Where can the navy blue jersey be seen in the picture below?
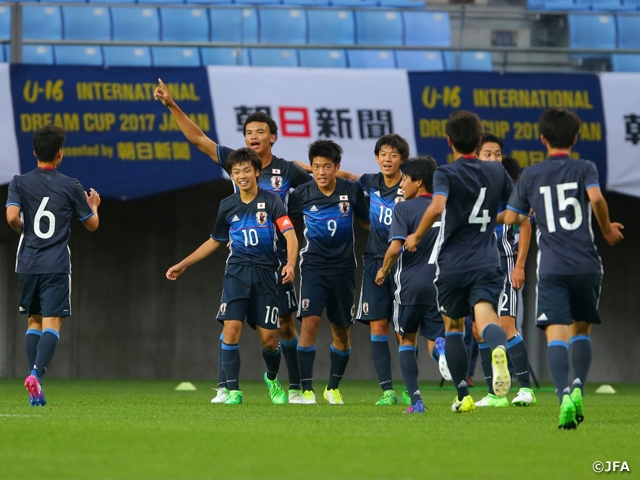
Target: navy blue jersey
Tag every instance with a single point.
(382, 199)
(508, 237)
(251, 228)
(415, 271)
(474, 191)
(556, 189)
(328, 224)
(49, 201)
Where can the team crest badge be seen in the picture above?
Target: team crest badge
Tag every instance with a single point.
(276, 182)
(365, 308)
(305, 304)
(344, 207)
(261, 217)
(223, 308)
(398, 200)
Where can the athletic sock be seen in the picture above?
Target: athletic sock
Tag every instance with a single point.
(517, 352)
(222, 380)
(339, 360)
(485, 361)
(31, 340)
(382, 360)
(457, 360)
(272, 362)
(291, 359)
(558, 358)
(494, 336)
(409, 368)
(306, 357)
(580, 360)
(46, 350)
(231, 365)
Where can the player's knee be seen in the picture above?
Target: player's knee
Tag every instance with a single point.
(508, 324)
(379, 327)
(287, 328)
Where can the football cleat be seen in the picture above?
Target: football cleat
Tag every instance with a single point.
(308, 397)
(500, 372)
(389, 397)
(234, 398)
(295, 396)
(36, 393)
(334, 397)
(406, 398)
(463, 406)
(442, 359)
(276, 392)
(576, 398)
(492, 401)
(222, 394)
(567, 418)
(524, 398)
(417, 408)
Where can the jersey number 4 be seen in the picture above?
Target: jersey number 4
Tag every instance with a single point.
(480, 215)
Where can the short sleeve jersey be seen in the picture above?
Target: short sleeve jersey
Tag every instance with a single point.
(415, 271)
(49, 201)
(474, 191)
(328, 223)
(251, 228)
(508, 237)
(382, 200)
(556, 189)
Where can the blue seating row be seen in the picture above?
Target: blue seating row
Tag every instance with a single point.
(263, 57)
(608, 5)
(308, 3)
(233, 25)
(604, 31)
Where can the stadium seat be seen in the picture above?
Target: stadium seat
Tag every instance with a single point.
(234, 25)
(628, 31)
(427, 28)
(135, 24)
(382, 27)
(78, 55)
(591, 31)
(324, 58)
(86, 23)
(611, 5)
(224, 56)
(625, 63)
(41, 23)
(473, 61)
(161, 1)
(273, 57)
(402, 3)
(371, 59)
(211, 2)
(37, 54)
(562, 5)
(354, 3)
(335, 26)
(184, 25)
(175, 56)
(117, 56)
(630, 3)
(112, 1)
(257, 2)
(282, 25)
(5, 22)
(420, 60)
(307, 3)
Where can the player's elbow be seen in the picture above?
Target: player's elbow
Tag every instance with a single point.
(510, 217)
(13, 218)
(92, 223)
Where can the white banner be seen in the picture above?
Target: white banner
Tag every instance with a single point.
(621, 104)
(9, 159)
(352, 107)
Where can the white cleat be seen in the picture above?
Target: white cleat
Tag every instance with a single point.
(221, 395)
(444, 368)
(308, 397)
(500, 372)
(295, 396)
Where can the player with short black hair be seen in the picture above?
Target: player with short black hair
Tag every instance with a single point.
(248, 220)
(327, 263)
(468, 276)
(277, 176)
(40, 207)
(562, 192)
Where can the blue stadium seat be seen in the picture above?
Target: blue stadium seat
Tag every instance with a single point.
(112, 1)
(86, 23)
(184, 24)
(382, 27)
(136, 24)
(354, 3)
(335, 26)
(234, 25)
(273, 57)
(41, 23)
(307, 3)
(117, 56)
(402, 3)
(562, 5)
(591, 31)
(420, 60)
(257, 2)
(427, 28)
(631, 3)
(474, 61)
(37, 54)
(282, 25)
(611, 5)
(161, 1)
(628, 31)
(78, 54)
(5, 22)
(625, 63)
(66, 1)
(324, 58)
(175, 56)
(224, 56)
(211, 2)
(371, 59)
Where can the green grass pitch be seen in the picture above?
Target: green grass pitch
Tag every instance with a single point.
(145, 430)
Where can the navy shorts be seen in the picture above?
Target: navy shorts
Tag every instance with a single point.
(458, 293)
(250, 292)
(376, 301)
(287, 302)
(48, 294)
(564, 298)
(425, 318)
(509, 298)
(331, 290)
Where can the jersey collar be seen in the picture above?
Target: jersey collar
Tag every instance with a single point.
(46, 168)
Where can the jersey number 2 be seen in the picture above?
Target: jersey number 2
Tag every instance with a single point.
(40, 214)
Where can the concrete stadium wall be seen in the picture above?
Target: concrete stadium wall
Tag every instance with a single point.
(130, 322)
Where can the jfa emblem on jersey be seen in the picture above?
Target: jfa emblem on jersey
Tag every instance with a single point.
(398, 200)
(276, 182)
(223, 308)
(305, 304)
(365, 308)
(261, 217)
(344, 206)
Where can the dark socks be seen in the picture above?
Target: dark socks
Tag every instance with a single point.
(272, 362)
(485, 360)
(339, 360)
(45, 352)
(291, 359)
(458, 361)
(31, 340)
(409, 369)
(231, 365)
(382, 360)
(580, 360)
(558, 358)
(517, 352)
(222, 380)
(494, 336)
(306, 357)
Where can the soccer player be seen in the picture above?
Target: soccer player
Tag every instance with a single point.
(277, 176)
(467, 193)
(513, 245)
(562, 192)
(40, 207)
(416, 306)
(247, 220)
(327, 263)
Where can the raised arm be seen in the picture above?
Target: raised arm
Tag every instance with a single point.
(202, 252)
(13, 218)
(430, 217)
(93, 199)
(390, 258)
(517, 275)
(190, 130)
(611, 230)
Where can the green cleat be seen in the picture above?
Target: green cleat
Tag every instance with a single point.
(308, 397)
(576, 398)
(406, 398)
(334, 397)
(524, 398)
(567, 418)
(463, 406)
(234, 398)
(389, 397)
(492, 401)
(276, 392)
